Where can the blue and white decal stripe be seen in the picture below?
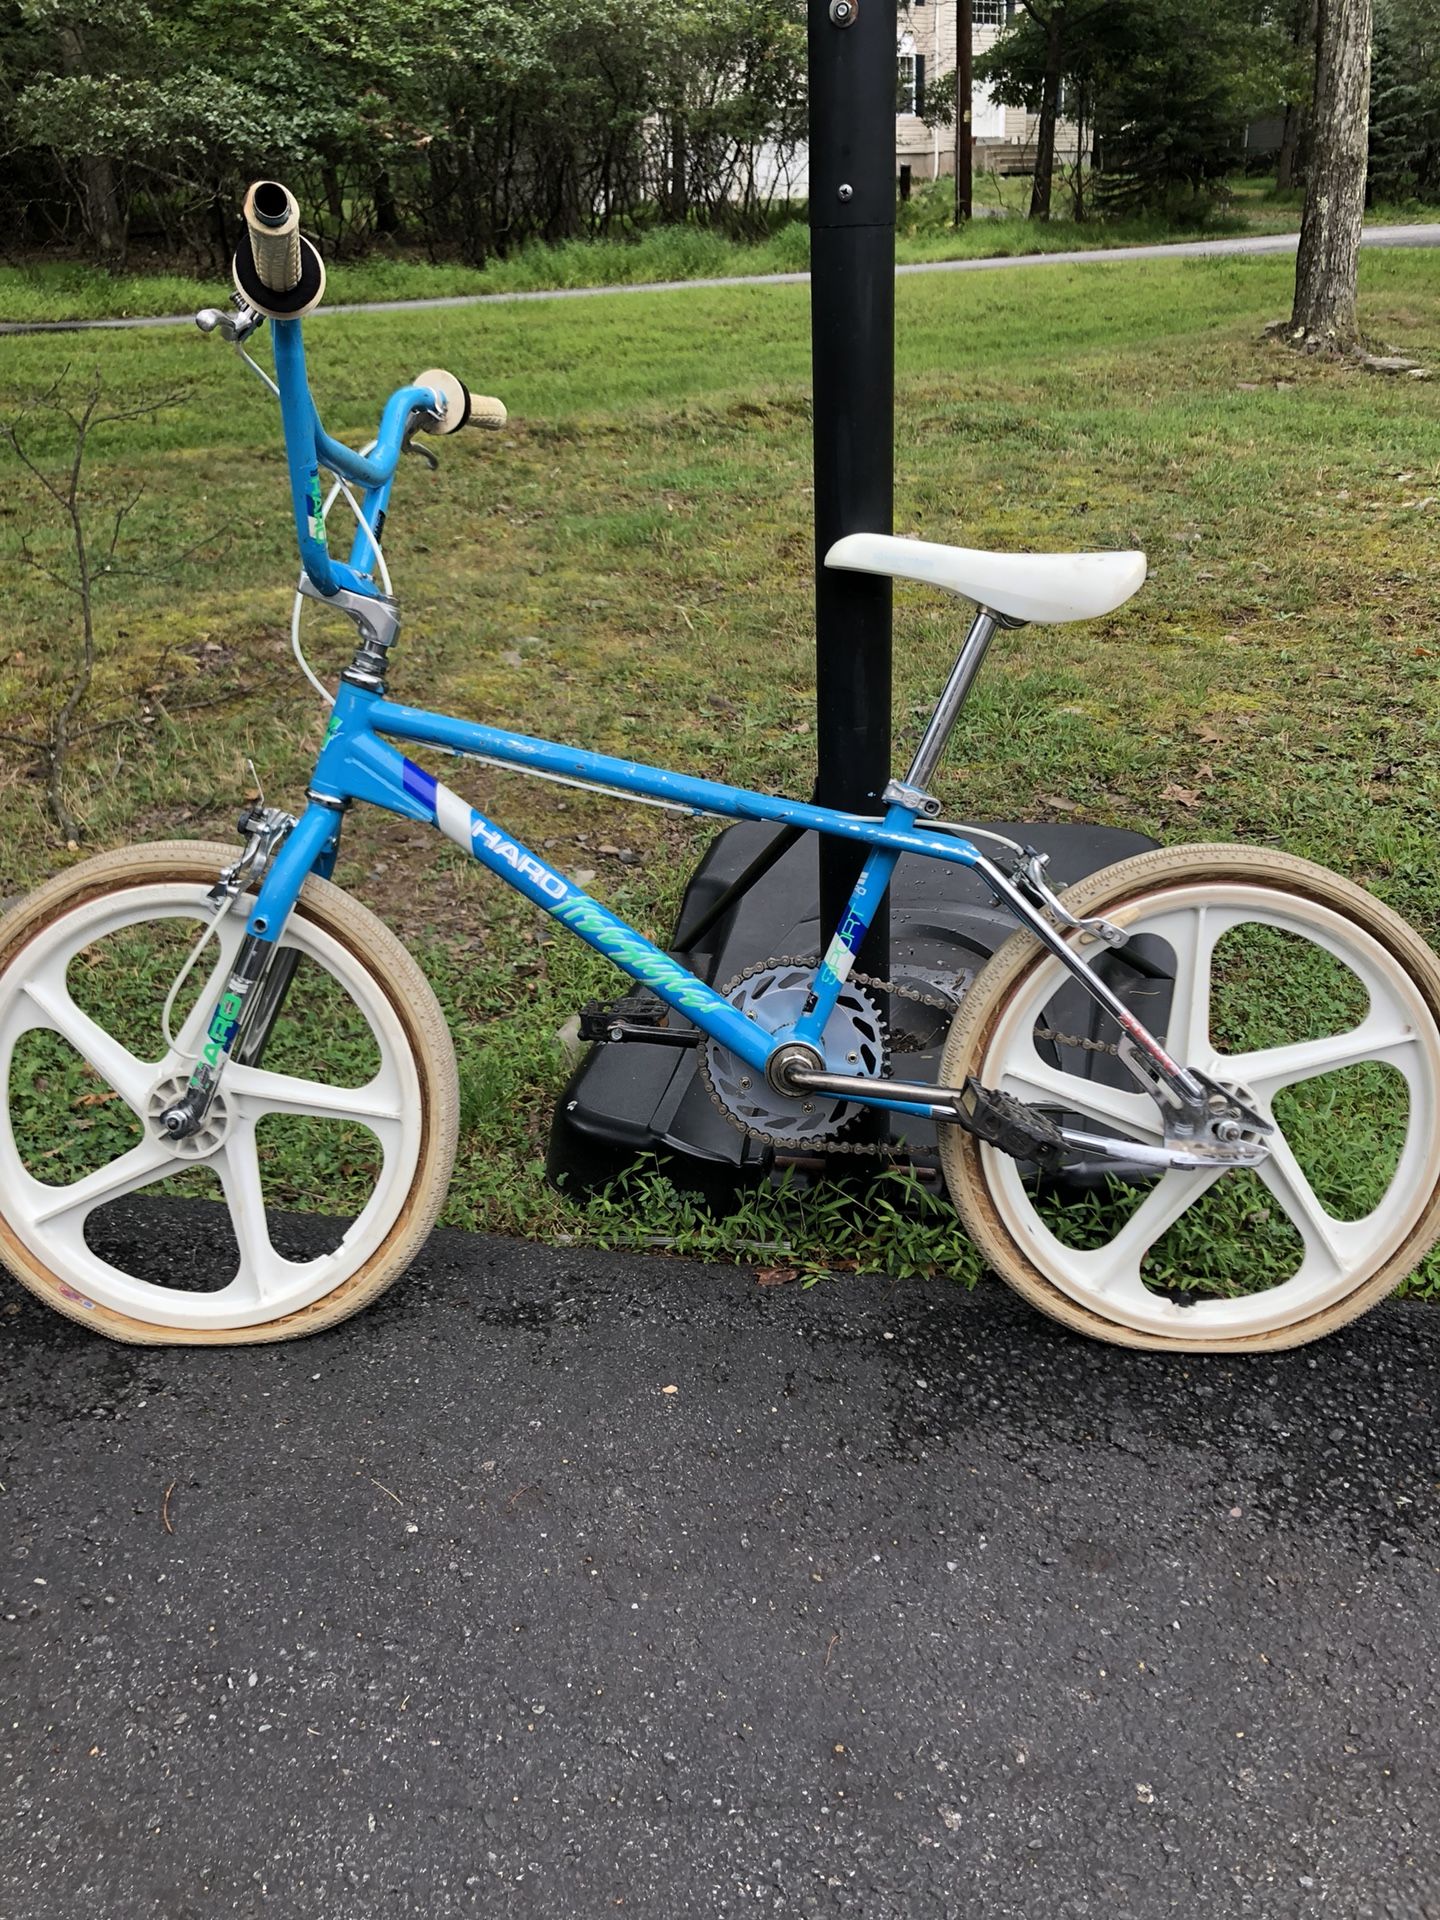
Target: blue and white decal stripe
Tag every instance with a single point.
(453, 816)
(605, 931)
(420, 785)
(459, 822)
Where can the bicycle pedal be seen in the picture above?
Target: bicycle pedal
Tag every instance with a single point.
(1009, 1124)
(638, 1016)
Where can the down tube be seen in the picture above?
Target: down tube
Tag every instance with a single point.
(573, 907)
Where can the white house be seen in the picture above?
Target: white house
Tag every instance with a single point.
(1004, 136)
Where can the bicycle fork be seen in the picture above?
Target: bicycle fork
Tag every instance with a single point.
(254, 992)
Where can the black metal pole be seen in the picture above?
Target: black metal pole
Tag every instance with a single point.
(852, 326)
(964, 112)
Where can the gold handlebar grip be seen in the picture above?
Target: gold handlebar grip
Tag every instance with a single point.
(277, 271)
(488, 412)
(272, 215)
(460, 407)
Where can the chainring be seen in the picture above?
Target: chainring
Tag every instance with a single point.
(745, 1096)
(773, 994)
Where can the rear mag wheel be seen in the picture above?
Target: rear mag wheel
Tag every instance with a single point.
(1289, 981)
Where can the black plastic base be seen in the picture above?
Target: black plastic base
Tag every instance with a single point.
(627, 1100)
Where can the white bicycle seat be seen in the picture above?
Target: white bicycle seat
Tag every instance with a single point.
(1021, 586)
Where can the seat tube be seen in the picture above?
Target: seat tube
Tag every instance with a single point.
(860, 910)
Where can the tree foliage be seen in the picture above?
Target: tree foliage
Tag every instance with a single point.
(1164, 87)
(1405, 100)
(464, 124)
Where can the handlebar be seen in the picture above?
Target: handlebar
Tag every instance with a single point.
(280, 275)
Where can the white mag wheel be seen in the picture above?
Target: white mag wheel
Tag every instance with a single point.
(1288, 980)
(351, 1111)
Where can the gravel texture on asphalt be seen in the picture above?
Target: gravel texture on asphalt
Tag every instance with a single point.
(570, 1584)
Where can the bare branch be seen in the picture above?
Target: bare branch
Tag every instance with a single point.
(56, 579)
(171, 564)
(120, 513)
(12, 438)
(142, 408)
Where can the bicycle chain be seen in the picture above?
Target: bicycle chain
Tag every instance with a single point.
(827, 1143)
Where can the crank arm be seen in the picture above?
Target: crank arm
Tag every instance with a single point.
(941, 1103)
(1135, 1153)
(1007, 1123)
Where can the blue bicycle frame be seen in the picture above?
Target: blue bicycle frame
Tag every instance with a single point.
(358, 762)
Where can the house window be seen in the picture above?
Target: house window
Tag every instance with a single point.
(910, 83)
(988, 13)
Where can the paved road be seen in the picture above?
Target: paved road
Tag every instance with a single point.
(1403, 236)
(903, 1604)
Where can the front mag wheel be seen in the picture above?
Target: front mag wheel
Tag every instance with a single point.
(1287, 980)
(349, 1114)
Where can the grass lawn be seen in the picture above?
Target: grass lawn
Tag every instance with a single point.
(629, 566)
(71, 290)
(57, 289)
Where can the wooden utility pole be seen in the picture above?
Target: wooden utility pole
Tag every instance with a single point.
(964, 92)
(1328, 262)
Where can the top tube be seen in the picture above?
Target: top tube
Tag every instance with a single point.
(308, 447)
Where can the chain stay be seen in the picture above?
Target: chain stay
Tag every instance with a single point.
(864, 1149)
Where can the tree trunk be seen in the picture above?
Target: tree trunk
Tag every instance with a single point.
(334, 195)
(1049, 113)
(104, 221)
(679, 185)
(1289, 143)
(220, 241)
(387, 214)
(964, 111)
(1304, 32)
(1079, 207)
(1329, 257)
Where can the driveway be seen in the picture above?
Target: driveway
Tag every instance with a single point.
(573, 1584)
(1411, 235)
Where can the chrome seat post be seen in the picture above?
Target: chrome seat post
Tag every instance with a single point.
(956, 690)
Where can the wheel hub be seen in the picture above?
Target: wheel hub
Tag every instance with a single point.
(206, 1139)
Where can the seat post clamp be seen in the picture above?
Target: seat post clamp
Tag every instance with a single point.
(899, 793)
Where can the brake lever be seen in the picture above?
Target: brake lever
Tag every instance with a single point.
(234, 328)
(411, 445)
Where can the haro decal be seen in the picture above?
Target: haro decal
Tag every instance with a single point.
(222, 1029)
(223, 1024)
(595, 925)
(522, 862)
(316, 513)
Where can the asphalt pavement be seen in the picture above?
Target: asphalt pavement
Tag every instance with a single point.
(569, 1584)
